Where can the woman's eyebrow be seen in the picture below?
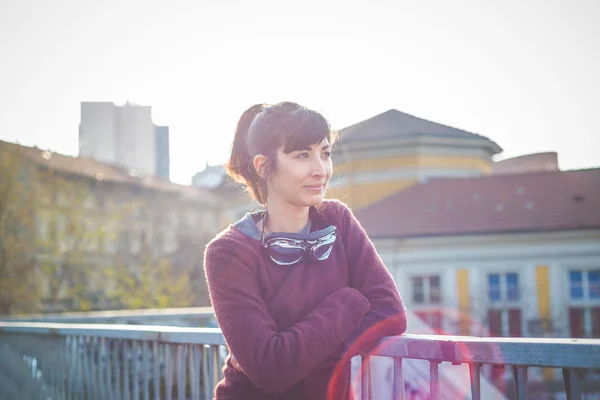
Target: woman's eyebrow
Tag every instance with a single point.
(325, 147)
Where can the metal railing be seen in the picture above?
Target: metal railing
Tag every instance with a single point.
(89, 361)
(574, 357)
(182, 316)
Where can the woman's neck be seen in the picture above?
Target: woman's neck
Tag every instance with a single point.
(285, 217)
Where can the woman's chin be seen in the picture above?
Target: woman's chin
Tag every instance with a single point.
(315, 200)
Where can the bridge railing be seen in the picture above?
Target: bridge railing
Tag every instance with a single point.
(90, 361)
(462, 358)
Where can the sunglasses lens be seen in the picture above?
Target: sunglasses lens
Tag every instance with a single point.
(322, 252)
(289, 251)
(286, 255)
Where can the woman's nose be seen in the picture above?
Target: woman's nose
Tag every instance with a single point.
(319, 168)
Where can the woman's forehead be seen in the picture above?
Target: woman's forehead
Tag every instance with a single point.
(322, 144)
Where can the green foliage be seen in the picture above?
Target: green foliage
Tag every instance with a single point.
(60, 250)
(17, 232)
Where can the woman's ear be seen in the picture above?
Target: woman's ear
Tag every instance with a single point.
(259, 162)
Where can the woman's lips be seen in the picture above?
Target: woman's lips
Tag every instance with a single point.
(315, 188)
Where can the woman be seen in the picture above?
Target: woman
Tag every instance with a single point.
(297, 289)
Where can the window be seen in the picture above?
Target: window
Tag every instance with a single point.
(584, 298)
(418, 290)
(584, 322)
(503, 287)
(576, 284)
(495, 322)
(494, 287)
(504, 313)
(512, 287)
(426, 298)
(435, 293)
(426, 289)
(505, 322)
(584, 285)
(594, 284)
(514, 322)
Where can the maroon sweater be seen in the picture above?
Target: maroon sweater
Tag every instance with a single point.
(288, 328)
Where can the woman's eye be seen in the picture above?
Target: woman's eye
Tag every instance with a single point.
(303, 155)
(327, 154)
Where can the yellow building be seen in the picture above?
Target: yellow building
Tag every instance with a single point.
(393, 150)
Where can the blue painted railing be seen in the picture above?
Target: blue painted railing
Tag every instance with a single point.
(91, 361)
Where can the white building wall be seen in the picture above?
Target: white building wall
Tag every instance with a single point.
(98, 131)
(118, 135)
(136, 144)
(483, 254)
(563, 266)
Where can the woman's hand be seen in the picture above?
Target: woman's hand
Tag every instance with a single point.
(235, 364)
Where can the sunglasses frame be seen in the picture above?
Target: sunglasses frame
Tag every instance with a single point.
(308, 243)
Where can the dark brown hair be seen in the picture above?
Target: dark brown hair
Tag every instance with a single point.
(264, 128)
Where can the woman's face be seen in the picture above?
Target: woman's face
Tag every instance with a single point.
(301, 177)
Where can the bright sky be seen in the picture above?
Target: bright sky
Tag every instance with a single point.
(523, 72)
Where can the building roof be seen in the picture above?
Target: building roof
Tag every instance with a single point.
(210, 177)
(535, 162)
(394, 123)
(92, 169)
(215, 178)
(542, 201)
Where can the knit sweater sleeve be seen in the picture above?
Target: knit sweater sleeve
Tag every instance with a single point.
(273, 360)
(369, 275)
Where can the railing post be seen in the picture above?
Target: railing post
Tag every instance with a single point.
(146, 369)
(572, 379)
(365, 381)
(87, 368)
(216, 373)
(125, 356)
(181, 372)
(156, 369)
(117, 362)
(194, 368)
(72, 370)
(474, 374)
(135, 347)
(109, 372)
(101, 364)
(206, 386)
(169, 371)
(520, 374)
(434, 380)
(399, 390)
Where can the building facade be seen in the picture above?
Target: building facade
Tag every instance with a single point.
(520, 285)
(124, 135)
(235, 201)
(97, 228)
(508, 248)
(163, 161)
(393, 150)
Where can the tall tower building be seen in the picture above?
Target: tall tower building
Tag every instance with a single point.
(124, 135)
(162, 151)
